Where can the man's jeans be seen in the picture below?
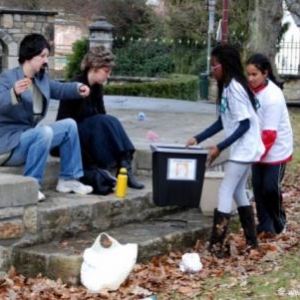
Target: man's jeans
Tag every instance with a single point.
(35, 144)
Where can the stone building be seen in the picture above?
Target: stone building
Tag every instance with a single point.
(15, 24)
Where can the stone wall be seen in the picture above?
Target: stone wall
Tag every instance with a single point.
(291, 89)
(66, 33)
(18, 214)
(15, 24)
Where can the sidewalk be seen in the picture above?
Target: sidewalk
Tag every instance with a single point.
(174, 121)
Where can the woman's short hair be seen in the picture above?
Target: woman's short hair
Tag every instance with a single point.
(32, 45)
(98, 57)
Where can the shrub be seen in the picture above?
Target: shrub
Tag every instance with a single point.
(140, 58)
(178, 86)
(79, 48)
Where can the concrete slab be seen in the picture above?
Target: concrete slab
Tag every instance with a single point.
(16, 190)
(174, 121)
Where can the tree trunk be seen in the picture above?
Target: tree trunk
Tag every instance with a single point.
(265, 27)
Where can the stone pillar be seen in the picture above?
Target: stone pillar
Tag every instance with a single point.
(101, 33)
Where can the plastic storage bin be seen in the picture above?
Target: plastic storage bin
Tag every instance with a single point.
(177, 174)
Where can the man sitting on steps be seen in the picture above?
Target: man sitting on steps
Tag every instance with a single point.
(25, 93)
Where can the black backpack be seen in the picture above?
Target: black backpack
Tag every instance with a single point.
(101, 180)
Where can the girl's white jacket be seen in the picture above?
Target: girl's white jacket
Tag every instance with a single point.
(273, 115)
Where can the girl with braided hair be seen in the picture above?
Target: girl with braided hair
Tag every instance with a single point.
(104, 142)
(238, 118)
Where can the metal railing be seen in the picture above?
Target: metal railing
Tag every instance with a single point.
(187, 56)
(287, 59)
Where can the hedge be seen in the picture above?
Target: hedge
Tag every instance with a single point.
(177, 86)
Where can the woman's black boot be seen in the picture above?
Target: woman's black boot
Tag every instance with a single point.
(132, 182)
(247, 219)
(219, 230)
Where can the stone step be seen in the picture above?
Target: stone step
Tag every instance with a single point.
(142, 165)
(62, 258)
(15, 191)
(64, 215)
(69, 214)
(51, 172)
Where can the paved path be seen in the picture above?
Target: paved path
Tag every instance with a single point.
(174, 121)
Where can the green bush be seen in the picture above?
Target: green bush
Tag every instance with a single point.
(140, 58)
(178, 86)
(79, 48)
(154, 58)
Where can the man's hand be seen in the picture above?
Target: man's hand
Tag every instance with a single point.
(22, 85)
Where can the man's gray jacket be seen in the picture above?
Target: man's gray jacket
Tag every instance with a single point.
(16, 113)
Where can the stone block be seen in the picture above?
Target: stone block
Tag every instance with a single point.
(13, 49)
(11, 229)
(5, 258)
(12, 61)
(30, 263)
(66, 268)
(144, 159)
(11, 212)
(7, 21)
(17, 190)
(30, 219)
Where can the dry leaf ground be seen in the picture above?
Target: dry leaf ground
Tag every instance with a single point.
(271, 273)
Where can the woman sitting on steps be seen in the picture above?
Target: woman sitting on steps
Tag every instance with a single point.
(104, 142)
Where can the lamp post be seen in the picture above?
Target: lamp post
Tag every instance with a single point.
(100, 33)
(225, 22)
(211, 19)
(204, 77)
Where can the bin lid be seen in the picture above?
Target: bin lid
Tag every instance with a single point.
(177, 148)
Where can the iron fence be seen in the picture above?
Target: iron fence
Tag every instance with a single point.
(189, 57)
(150, 57)
(287, 59)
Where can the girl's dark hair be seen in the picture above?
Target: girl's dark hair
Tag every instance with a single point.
(262, 63)
(32, 45)
(230, 59)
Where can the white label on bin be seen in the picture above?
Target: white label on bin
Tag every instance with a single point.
(181, 169)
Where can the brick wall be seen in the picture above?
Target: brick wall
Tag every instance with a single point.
(15, 24)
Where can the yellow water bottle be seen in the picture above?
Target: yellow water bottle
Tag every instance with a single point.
(121, 189)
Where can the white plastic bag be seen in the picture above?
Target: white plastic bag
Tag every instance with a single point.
(190, 262)
(107, 263)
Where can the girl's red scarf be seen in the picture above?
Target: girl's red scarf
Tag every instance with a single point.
(259, 88)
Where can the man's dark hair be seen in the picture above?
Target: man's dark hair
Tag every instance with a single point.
(32, 45)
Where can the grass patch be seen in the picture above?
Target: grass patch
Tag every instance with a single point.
(280, 279)
(295, 120)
